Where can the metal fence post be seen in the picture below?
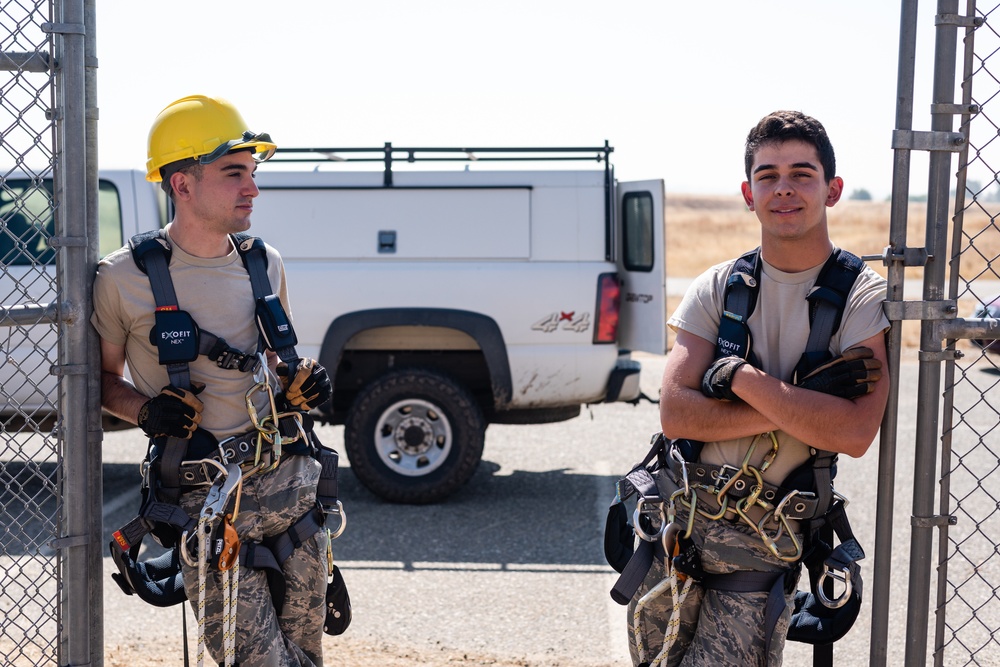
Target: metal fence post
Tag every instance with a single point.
(895, 256)
(79, 534)
(929, 385)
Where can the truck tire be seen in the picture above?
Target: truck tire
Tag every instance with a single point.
(414, 436)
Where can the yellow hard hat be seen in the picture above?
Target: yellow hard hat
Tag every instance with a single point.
(200, 128)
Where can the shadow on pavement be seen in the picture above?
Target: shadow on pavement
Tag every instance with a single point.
(516, 518)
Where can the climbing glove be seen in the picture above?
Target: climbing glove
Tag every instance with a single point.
(718, 379)
(309, 388)
(173, 412)
(852, 374)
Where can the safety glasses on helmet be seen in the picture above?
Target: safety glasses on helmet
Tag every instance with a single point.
(248, 140)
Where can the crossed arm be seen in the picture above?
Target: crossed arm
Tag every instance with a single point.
(827, 422)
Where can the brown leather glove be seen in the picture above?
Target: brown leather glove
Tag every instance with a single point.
(173, 412)
(309, 388)
(852, 374)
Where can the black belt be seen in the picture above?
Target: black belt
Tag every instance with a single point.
(242, 450)
(803, 505)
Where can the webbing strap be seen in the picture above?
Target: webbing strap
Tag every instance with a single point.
(755, 582)
(150, 252)
(254, 255)
(284, 544)
(827, 300)
(739, 302)
(633, 574)
(270, 555)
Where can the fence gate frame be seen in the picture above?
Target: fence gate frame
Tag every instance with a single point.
(61, 37)
(940, 329)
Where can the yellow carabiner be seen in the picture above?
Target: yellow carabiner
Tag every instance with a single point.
(329, 554)
(772, 543)
(723, 504)
(772, 454)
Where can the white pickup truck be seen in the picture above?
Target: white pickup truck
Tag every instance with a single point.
(439, 301)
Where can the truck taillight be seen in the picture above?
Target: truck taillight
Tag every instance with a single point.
(608, 305)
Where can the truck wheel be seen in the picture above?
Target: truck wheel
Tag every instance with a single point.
(414, 436)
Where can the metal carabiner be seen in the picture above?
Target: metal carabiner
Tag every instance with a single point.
(723, 504)
(339, 511)
(772, 454)
(844, 597)
(676, 455)
(637, 525)
(772, 542)
(185, 554)
(692, 504)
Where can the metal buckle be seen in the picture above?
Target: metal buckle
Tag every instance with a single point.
(798, 512)
(727, 475)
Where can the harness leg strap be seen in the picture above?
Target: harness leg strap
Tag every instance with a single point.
(756, 582)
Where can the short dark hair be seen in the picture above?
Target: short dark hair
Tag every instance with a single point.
(187, 166)
(781, 126)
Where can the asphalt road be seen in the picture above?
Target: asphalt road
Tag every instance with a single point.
(510, 570)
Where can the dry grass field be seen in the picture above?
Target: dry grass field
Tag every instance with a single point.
(706, 229)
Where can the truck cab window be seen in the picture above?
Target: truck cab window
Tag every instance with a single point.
(26, 222)
(109, 213)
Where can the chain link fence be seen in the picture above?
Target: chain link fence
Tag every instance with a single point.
(43, 135)
(968, 589)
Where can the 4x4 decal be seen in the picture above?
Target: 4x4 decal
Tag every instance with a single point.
(570, 322)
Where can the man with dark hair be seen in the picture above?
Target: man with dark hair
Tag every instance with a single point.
(750, 413)
(219, 413)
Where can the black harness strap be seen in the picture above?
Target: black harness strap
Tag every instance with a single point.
(254, 255)
(739, 302)
(827, 301)
(774, 583)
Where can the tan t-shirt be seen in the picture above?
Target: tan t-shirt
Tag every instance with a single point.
(779, 330)
(217, 294)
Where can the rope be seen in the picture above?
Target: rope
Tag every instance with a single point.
(202, 577)
(674, 622)
(230, 599)
(653, 593)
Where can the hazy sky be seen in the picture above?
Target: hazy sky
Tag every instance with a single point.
(674, 86)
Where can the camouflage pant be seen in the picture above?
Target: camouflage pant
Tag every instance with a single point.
(269, 505)
(716, 627)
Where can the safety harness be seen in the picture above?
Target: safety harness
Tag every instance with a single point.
(173, 465)
(671, 486)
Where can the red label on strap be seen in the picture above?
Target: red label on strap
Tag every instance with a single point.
(161, 309)
(120, 540)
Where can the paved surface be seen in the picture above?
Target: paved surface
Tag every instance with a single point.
(511, 568)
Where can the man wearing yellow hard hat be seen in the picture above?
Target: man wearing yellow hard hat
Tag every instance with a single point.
(234, 485)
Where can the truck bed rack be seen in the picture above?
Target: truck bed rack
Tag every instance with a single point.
(389, 154)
